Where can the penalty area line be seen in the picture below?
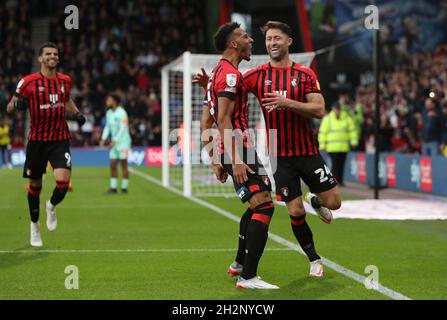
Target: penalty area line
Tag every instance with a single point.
(278, 239)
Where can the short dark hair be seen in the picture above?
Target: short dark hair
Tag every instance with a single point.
(285, 28)
(47, 45)
(115, 97)
(220, 38)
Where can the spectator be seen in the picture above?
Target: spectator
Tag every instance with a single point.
(444, 133)
(432, 129)
(336, 136)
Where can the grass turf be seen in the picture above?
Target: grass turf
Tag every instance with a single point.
(410, 255)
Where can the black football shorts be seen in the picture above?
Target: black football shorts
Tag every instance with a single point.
(257, 182)
(38, 153)
(312, 169)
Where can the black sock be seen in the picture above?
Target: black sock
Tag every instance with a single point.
(304, 236)
(59, 192)
(243, 224)
(256, 238)
(34, 202)
(315, 202)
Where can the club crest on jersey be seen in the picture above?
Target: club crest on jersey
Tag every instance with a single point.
(284, 191)
(231, 79)
(294, 82)
(63, 89)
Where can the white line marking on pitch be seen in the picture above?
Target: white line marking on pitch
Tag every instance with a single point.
(336, 267)
(130, 250)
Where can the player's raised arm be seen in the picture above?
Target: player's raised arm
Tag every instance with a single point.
(201, 78)
(226, 109)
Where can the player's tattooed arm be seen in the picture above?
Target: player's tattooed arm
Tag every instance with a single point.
(240, 169)
(314, 107)
(207, 136)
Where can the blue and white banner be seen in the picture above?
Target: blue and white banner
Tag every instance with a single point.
(406, 172)
(89, 157)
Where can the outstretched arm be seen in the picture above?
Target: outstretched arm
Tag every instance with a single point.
(201, 79)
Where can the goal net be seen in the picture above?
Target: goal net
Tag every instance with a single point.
(185, 161)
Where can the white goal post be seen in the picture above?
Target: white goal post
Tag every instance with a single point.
(185, 163)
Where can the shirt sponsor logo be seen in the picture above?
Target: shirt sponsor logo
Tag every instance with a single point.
(49, 106)
(231, 79)
(268, 82)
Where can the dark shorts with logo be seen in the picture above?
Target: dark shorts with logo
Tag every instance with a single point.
(257, 182)
(312, 169)
(39, 153)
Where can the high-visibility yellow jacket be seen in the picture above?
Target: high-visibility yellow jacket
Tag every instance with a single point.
(4, 135)
(337, 134)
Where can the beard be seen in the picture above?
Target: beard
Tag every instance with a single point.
(278, 55)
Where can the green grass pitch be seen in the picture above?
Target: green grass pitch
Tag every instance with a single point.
(185, 248)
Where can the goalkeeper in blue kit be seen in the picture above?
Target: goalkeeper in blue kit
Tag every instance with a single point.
(117, 127)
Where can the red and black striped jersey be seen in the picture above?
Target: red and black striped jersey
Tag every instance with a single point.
(295, 135)
(226, 81)
(46, 99)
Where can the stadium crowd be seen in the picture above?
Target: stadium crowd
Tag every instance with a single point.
(16, 59)
(413, 106)
(122, 50)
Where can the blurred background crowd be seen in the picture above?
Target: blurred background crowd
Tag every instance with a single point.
(122, 45)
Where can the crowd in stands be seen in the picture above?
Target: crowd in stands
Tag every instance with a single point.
(122, 45)
(413, 107)
(16, 59)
